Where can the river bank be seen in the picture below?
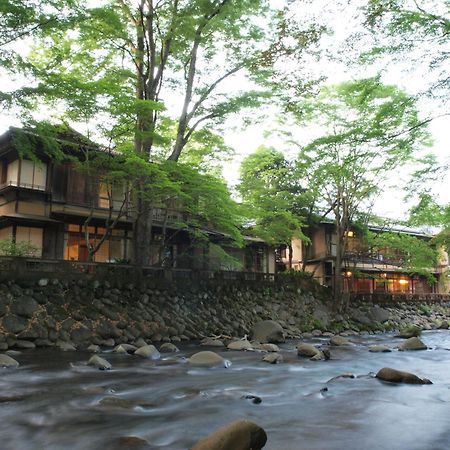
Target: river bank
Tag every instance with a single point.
(50, 311)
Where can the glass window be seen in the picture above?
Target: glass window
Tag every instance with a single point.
(33, 174)
(12, 173)
(32, 236)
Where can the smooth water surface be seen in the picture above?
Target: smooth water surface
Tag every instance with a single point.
(53, 401)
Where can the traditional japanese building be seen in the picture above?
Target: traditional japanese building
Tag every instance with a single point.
(52, 205)
(365, 269)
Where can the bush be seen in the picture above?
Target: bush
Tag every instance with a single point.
(8, 247)
(425, 310)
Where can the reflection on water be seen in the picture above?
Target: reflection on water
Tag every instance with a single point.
(53, 401)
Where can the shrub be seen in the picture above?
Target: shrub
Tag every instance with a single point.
(9, 247)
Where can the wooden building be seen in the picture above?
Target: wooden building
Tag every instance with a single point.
(55, 207)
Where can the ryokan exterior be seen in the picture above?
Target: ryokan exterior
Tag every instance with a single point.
(46, 202)
(365, 271)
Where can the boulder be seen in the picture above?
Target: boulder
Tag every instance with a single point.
(168, 347)
(120, 349)
(242, 344)
(7, 361)
(270, 347)
(140, 343)
(340, 341)
(398, 376)
(273, 358)
(125, 348)
(378, 314)
(81, 334)
(268, 331)
(360, 316)
(413, 343)
(211, 342)
(24, 344)
(24, 306)
(208, 359)
(148, 351)
(14, 324)
(93, 348)
(307, 350)
(99, 363)
(320, 356)
(65, 346)
(239, 435)
(379, 349)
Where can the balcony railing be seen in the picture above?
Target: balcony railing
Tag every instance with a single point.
(21, 184)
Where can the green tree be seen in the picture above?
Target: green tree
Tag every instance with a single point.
(417, 255)
(416, 33)
(128, 66)
(365, 131)
(272, 196)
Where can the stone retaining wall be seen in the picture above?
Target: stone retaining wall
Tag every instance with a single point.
(83, 312)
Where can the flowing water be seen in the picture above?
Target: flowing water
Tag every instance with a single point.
(53, 401)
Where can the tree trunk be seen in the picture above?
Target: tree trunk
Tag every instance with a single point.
(142, 233)
(290, 256)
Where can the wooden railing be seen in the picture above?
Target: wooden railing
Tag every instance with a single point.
(20, 267)
(395, 298)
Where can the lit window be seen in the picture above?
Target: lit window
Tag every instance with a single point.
(350, 233)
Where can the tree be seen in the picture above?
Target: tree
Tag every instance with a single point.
(416, 255)
(272, 196)
(416, 33)
(428, 212)
(119, 65)
(365, 131)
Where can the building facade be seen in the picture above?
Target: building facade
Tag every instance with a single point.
(57, 209)
(365, 270)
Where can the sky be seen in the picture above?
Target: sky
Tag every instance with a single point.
(245, 141)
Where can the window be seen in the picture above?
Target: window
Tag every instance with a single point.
(33, 175)
(113, 248)
(32, 236)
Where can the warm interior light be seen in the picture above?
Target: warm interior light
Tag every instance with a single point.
(348, 274)
(402, 281)
(350, 233)
(384, 275)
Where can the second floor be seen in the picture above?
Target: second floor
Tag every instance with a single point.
(361, 249)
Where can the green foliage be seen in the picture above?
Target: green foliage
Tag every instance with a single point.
(219, 259)
(9, 247)
(272, 196)
(425, 310)
(410, 331)
(417, 255)
(416, 32)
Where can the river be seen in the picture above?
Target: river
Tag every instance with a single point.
(54, 402)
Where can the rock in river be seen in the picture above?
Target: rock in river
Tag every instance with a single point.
(208, 359)
(340, 341)
(273, 358)
(168, 347)
(148, 351)
(379, 349)
(239, 435)
(99, 363)
(242, 344)
(398, 376)
(413, 343)
(308, 351)
(7, 361)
